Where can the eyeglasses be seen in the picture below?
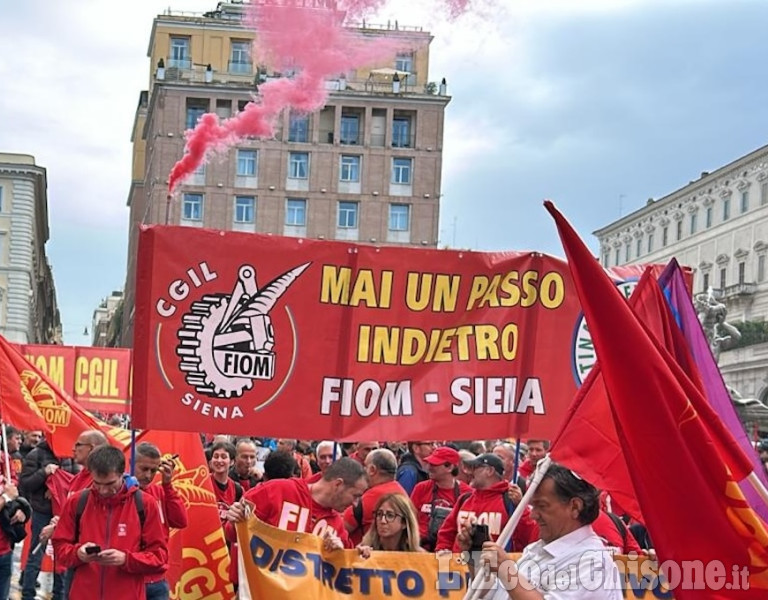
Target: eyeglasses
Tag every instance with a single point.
(78, 444)
(387, 515)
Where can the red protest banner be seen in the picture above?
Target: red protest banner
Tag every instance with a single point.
(98, 378)
(248, 334)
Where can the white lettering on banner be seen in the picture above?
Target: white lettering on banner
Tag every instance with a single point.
(211, 410)
(492, 519)
(178, 289)
(367, 398)
(321, 527)
(496, 395)
(293, 513)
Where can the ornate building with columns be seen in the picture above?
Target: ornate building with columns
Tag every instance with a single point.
(718, 226)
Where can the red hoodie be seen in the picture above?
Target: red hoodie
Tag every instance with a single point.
(288, 504)
(111, 522)
(488, 507)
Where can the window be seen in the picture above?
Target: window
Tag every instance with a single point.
(650, 242)
(705, 281)
(192, 207)
(350, 168)
(693, 223)
(296, 212)
(679, 230)
(246, 163)
(350, 129)
(240, 57)
(639, 247)
(627, 251)
(400, 218)
(618, 257)
(726, 209)
(401, 170)
(401, 132)
(298, 165)
(709, 217)
(744, 201)
(722, 278)
(298, 128)
(742, 271)
(404, 62)
(179, 56)
(1, 199)
(764, 193)
(244, 209)
(761, 267)
(196, 108)
(664, 236)
(347, 215)
(605, 254)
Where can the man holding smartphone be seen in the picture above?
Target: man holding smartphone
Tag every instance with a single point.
(111, 538)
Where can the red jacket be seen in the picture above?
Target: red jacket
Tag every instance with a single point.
(488, 507)
(83, 479)
(5, 543)
(173, 511)
(111, 522)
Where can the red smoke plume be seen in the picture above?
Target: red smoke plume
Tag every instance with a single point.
(312, 42)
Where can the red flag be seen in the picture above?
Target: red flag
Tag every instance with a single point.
(683, 478)
(198, 556)
(29, 400)
(58, 486)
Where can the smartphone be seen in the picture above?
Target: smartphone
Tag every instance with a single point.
(480, 535)
(93, 549)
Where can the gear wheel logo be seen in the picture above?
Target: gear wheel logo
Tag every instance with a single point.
(226, 342)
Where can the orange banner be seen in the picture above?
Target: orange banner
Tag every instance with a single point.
(198, 556)
(98, 378)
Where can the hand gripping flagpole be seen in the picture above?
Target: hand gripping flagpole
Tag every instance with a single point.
(474, 591)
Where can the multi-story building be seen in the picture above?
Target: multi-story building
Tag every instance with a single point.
(718, 226)
(366, 167)
(29, 313)
(107, 318)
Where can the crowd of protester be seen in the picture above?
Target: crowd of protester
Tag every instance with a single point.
(421, 496)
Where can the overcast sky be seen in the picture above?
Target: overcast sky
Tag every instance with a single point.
(597, 104)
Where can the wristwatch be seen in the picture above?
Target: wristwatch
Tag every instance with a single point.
(6, 497)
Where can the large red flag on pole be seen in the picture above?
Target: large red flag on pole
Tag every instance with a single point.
(684, 479)
(29, 400)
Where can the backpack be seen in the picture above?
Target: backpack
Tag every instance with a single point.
(621, 527)
(437, 515)
(238, 491)
(138, 498)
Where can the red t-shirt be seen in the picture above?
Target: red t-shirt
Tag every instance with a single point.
(288, 504)
(358, 527)
(226, 496)
(422, 494)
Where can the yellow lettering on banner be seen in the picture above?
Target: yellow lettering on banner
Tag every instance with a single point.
(81, 381)
(380, 344)
(513, 289)
(96, 377)
(51, 366)
(337, 287)
(441, 290)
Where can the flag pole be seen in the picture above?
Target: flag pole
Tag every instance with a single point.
(7, 462)
(474, 592)
(758, 485)
(133, 451)
(517, 460)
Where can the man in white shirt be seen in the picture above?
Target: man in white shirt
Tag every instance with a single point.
(569, 561)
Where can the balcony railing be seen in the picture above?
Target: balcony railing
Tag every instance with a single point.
(735, 290)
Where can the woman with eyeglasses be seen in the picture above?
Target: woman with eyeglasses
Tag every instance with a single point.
(394, 529)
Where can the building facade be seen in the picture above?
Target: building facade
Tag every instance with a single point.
(366, 168)
(718, 226)
(29, 313)
(107, 318)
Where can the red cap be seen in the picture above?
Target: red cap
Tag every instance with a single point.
(442, 455)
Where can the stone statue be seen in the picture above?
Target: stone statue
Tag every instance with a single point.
(720, 334)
